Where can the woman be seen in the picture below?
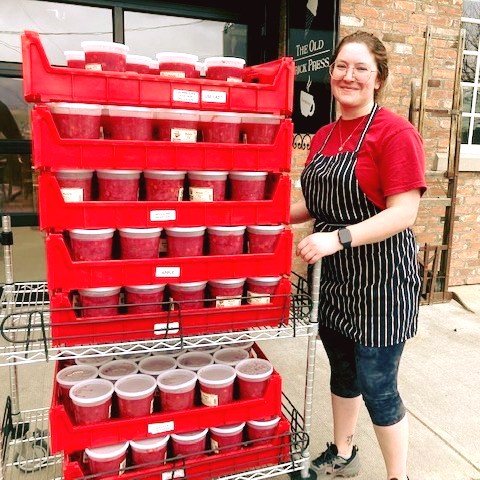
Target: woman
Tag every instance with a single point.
(362, 185)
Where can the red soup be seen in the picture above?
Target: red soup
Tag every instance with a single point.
(104, 56)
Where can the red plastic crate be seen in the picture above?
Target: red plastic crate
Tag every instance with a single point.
(68, 330)
(268, 87)
(57, 215)
(51, 151)
(68, 437)
(206, 467)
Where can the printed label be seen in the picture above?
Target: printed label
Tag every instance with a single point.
(163, 215)
(201, 194)
(209, 399)
(161, 427)
(171, 74)
(180, 194)
(163, 245)
(93, 66)
(234, 79)
(187, 96)
(254, 298)
(72, 194)
(214, 445)
(222, 301)
(183, 135)
(180, 473)
(122, 467)
(169, 272)
(163, 328)
(214, 96)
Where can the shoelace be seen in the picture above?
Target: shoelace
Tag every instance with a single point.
(327, 456)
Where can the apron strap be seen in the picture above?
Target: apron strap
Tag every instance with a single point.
(375, 109)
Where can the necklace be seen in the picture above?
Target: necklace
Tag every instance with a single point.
(343, 143)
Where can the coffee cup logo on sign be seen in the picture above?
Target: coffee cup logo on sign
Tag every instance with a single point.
(307, 104)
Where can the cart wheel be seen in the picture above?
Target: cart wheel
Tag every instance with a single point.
(298, 475)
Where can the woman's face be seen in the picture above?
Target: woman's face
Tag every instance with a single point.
(351, 92)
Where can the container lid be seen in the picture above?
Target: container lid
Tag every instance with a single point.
(194, 360)
(205, 348)
(265, 229)
(190, 436)
(117, 368)
(176, 57)
(99, 291)
(228, 282)
(145, 288)
(94, 361)
(157, 364)
(246, 175)
(246, 345)
(173, 380)
(154, 64)
(140, 230)
(224, 62)
(163, 173)
(207, 173)
(74, 54)
(78, 173)
(97, 231)
(139, 59)
(177, 114)
(69, 376)
(230, 355)
(239, 229)
(221, 117)
(228, 429)
(77, 108)
(254, 369)
(149, 443)
(105, 453)
(119, 172)
(179, 286)
(264, 423)
(103, 46)
(217, 374)
(261, 118)
(133, 357)
(121, 111)
(264, 279)
(91, 392)
(137, 385)
(185, 229)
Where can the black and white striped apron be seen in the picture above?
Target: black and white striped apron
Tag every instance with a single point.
(368, 293)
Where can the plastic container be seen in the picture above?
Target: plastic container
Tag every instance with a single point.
(102, 56)
(207, 186)
(176, 65)
(176, 125)
(69, 376)
(262, 429)
(94, 361)
(259, 128)
(260, 289)
(118, 185)
(189, 295)
(157, 364)
(138, 294)
(91, 245)
(185, 241)
(221, 127)
(230, 356)
(99, 302)
(224, 68)
(199, 69)
(247, 186)
(135, 395)
(133, 357)
(177, 389)
(227, 438)
(225, 240)
(107, 460)
(164, 185)
(226, 292)
(91, 401)
(117, 369)
(194, 360)
(76, 120)
(75, 185)
(245, 345)
(154, 68)
(138, 63)
(190, 444)
(216, 384)
(130, 123)
(206, 348)
(263, 238)
(253, 375)
(150, 450)
(75, 58)
(139, 242)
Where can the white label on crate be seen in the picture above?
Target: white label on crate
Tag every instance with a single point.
(201, 194)
(163, 215)
(213, 96)
(234, 79)
(72, 194)
(172, 74)
(222, 301)
(258, 298)
(180, 473)
(214, 445)
(187, 96)
(163, 427)
(163, 328)
(163, 245)
(121, 471)
(168, 272)
(209, 399)
(183, 135)
(93, 66)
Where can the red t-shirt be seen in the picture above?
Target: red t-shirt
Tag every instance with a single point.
(391, 159)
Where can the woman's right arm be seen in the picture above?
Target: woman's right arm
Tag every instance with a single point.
(299, 212)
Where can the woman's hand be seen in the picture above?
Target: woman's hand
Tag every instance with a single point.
(318, 245)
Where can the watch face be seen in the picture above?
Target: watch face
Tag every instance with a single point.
(345, 236)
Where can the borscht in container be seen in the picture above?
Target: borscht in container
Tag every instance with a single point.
(247, 186)
(110, 460)
(260, 289)
(185, 241)
(94, 361)
(164, 185)
(135, 395)
(224, 68)
(221, 127)
(259, 127)
(117, 369)
(75, 58)
(69, 376)
(99, 302)
(216, 384)
(263, 238)
(207, 186)
(75, 185)
(130, 123)
(91, 401)
(177, 389)
(230, 356)
(199, 69)
(138, 63)
(176, 125)
(187, 296)
(77, 120)
(226, 292)
(225, 240)
(253, 375)
(227, 438)
(91, 244)
(194, 360)
(262, 431)
(102, 56)
(150, 450)
(118, 185)
(144, 298)
(139, 242)
(157, 364)
(190, 444)
(176, 65)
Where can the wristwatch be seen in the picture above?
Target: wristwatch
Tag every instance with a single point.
(345, 237)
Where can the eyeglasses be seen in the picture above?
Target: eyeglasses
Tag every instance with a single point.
(361, 73)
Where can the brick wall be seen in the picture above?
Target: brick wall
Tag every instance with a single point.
(401, 25)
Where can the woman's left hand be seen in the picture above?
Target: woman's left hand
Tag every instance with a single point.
(318, 245)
